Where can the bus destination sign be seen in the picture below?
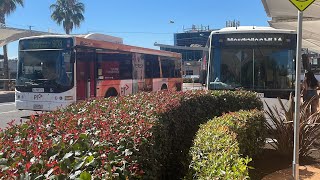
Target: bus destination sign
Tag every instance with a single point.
(254, 39)
(45, 43)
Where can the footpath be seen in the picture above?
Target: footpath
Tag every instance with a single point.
(6, 96)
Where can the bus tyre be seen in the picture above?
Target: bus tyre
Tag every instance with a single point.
(178, 86)
(164, 86)
(111, 92)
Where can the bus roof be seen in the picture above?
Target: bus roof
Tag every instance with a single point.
(251, 29)
(105, 44)
(122, 47)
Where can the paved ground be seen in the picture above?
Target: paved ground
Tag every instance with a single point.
(8, 113)
(308, 172)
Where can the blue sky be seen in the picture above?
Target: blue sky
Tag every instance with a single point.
(141, 22)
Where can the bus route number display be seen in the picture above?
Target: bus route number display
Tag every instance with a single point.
(45, 44)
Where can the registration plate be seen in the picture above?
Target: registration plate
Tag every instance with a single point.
(260, 95)
(38, 90)
(37, 106)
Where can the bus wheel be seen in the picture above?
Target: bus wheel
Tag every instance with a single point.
(178, 86)
(111, 92)
(164, 86)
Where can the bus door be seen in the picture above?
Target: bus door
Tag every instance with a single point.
(85, 75)
(138, 73)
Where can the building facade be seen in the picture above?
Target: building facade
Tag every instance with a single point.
(192, 45)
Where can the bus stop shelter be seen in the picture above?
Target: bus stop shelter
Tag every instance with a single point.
(8, 34)
(284, 16)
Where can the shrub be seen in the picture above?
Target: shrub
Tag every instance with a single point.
(222, 144)
(281, 128)
(183, 122)
(128, 137)
(97, 139)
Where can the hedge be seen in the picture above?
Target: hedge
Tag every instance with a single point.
(183, 123)
(223, 146)
(146, 135)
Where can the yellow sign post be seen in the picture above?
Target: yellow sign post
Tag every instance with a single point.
(301, 5)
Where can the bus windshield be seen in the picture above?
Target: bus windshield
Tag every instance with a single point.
(256, 68)
(43, 68)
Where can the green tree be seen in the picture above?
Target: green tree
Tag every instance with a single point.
(69, 13)
(7, 7)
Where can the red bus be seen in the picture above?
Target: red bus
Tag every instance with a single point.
(55, 71)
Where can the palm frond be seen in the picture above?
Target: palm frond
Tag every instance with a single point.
(69, 13)
(9, 6)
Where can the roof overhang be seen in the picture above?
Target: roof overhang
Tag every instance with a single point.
(8, 35)
(284, 16)
(285, 9)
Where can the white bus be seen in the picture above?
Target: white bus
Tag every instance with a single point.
(261, 59)
(55, 71)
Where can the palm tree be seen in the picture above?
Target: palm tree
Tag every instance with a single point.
(7, 7)
(69, 13)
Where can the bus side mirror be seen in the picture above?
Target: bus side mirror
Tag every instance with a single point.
(203, 76)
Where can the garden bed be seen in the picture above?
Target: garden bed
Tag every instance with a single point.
(270, 161)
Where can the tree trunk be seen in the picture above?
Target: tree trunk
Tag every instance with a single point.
(5, 57)
(5, 68)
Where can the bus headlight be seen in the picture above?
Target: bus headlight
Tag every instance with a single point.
(68, 98)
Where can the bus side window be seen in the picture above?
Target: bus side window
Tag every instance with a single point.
(152, 68)
(167, 66)
(155, 68)
(126, 67)
(148, 69)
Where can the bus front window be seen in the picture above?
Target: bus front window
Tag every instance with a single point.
(44, 68)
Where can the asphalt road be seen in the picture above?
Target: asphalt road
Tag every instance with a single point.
(8, 113)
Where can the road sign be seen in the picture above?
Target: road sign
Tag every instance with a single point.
(301, 5)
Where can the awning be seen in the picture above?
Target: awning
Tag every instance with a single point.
(285, 9)
(8, 35)
(310, 33)
(284, 16)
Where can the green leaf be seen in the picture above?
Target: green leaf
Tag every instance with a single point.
(3, 161)
(89, 160)
(53, 157)
(85, 176)
(66, 156)
(73, 176)
(39, 177)
(77, 153)
(78, 165)
(49, 173)
(4, 167)
(83, 136)
(127, 152)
